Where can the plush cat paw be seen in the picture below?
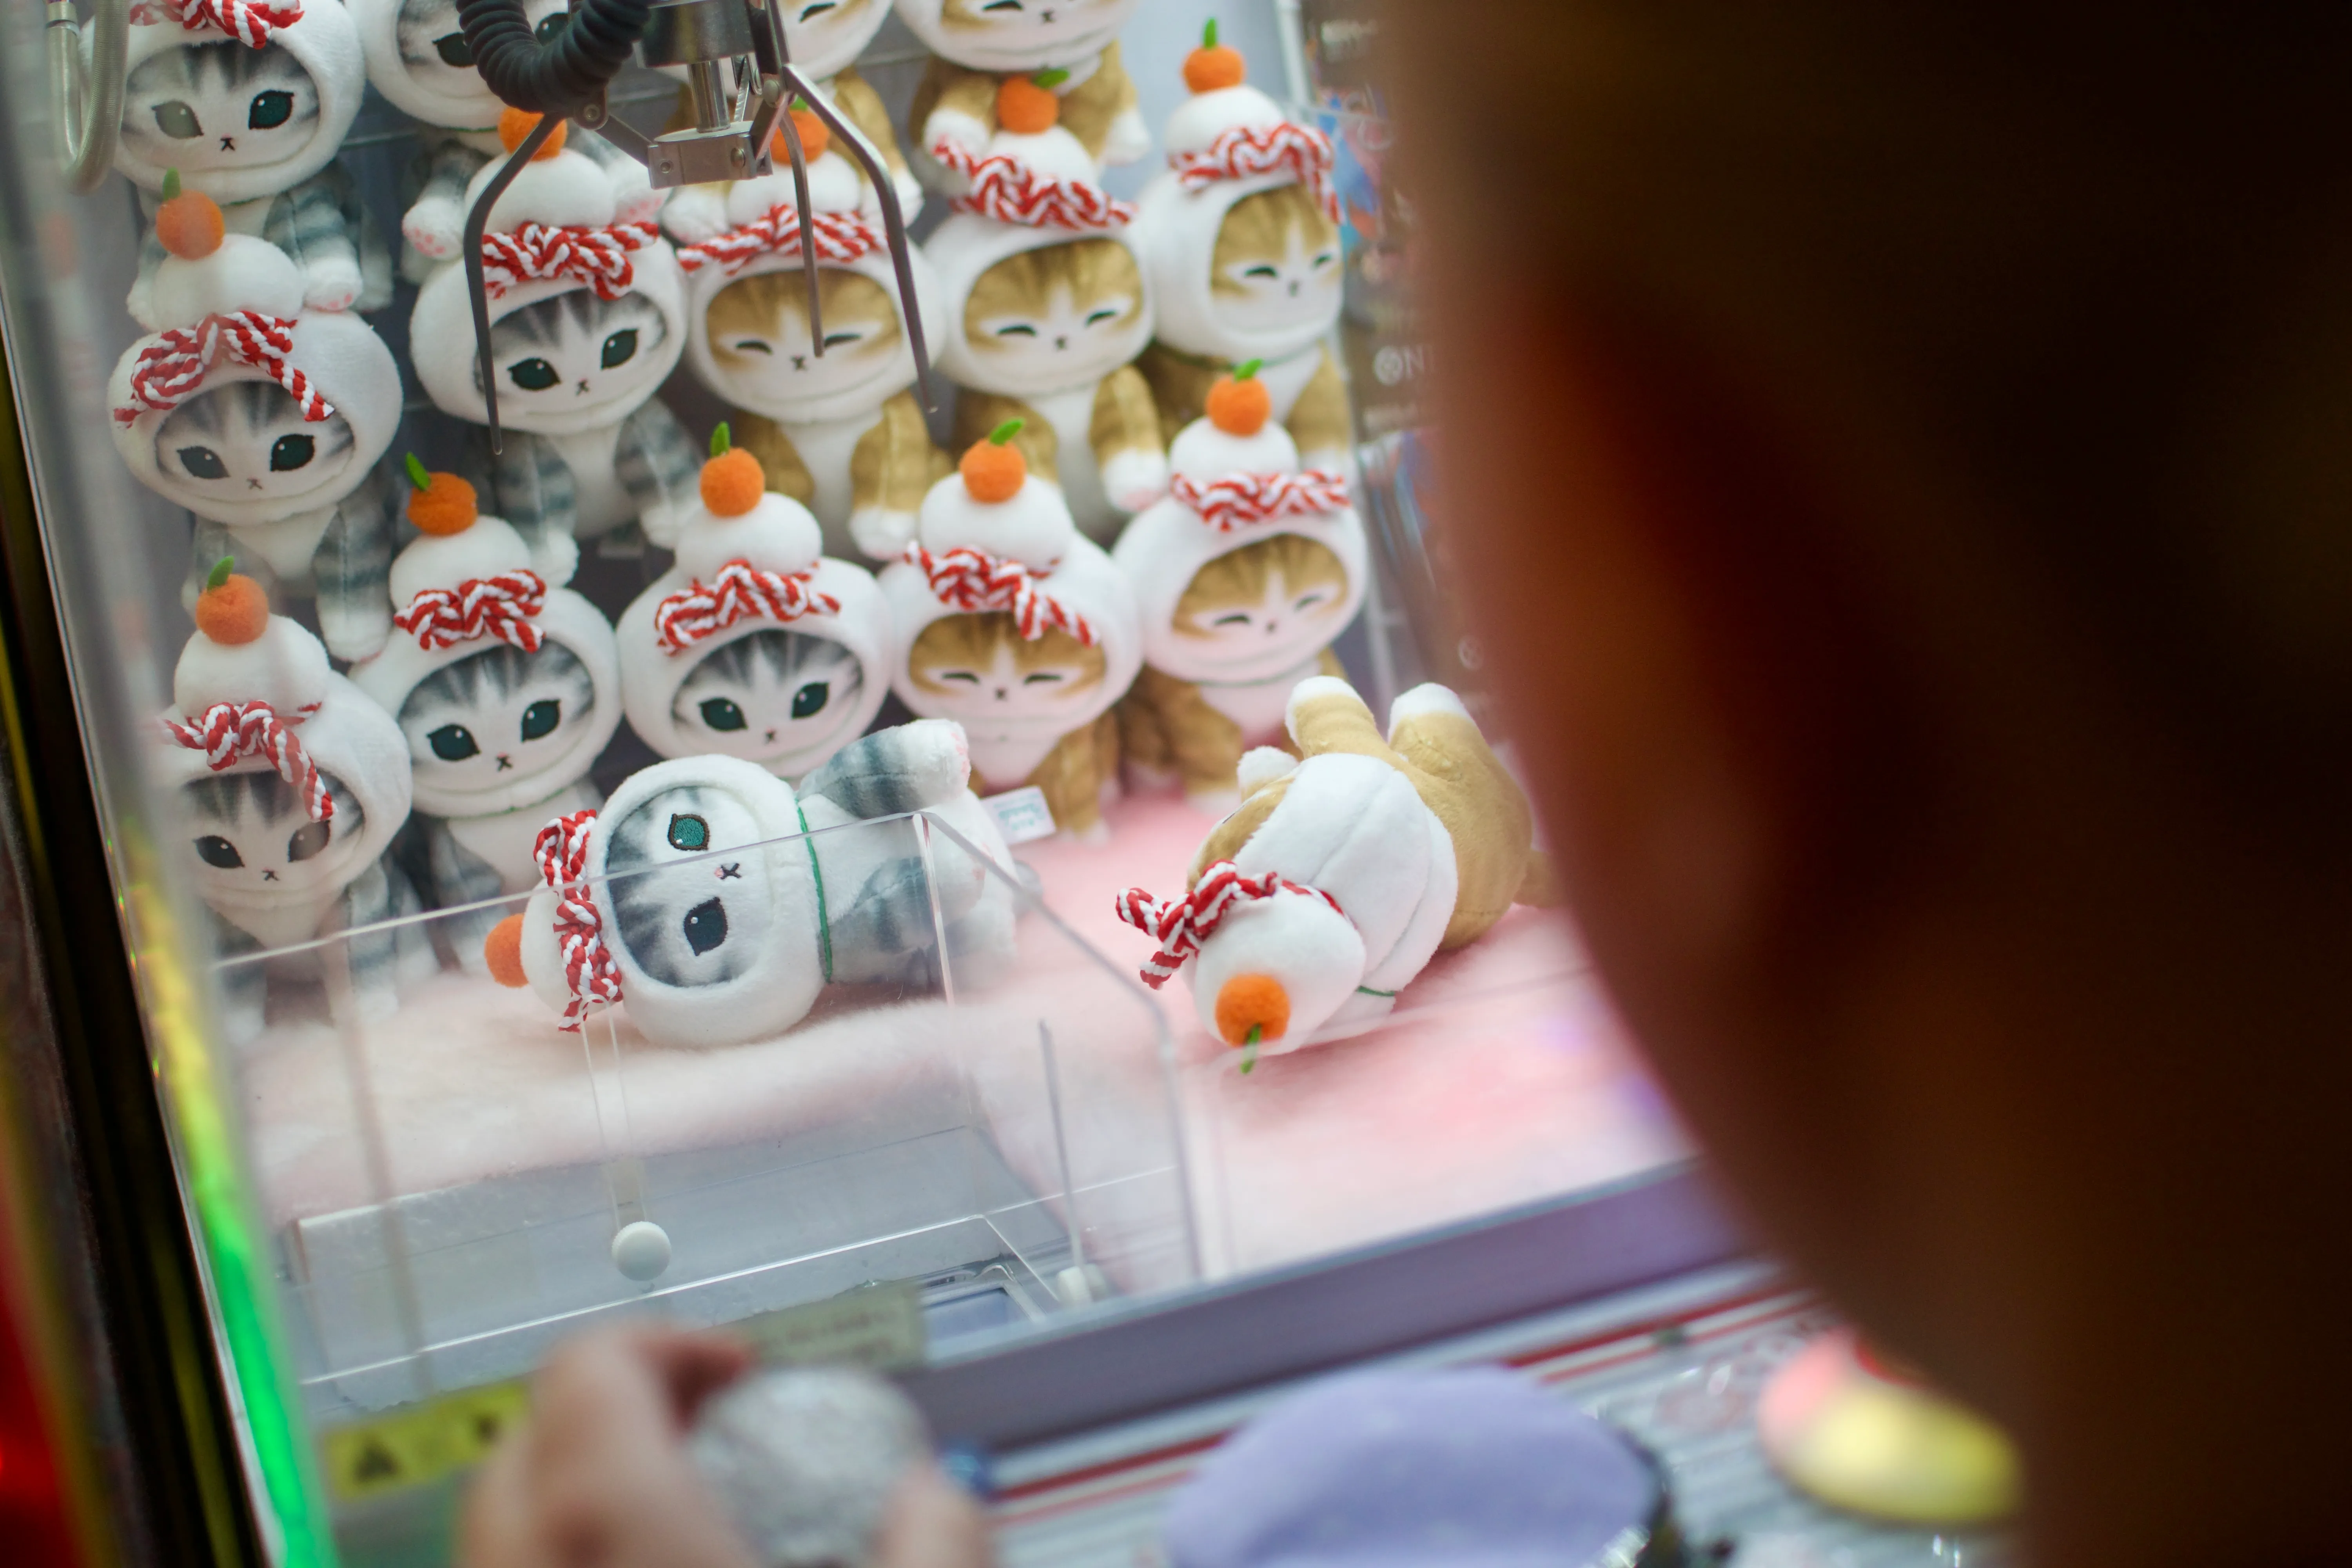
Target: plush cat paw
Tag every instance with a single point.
(1134, 480)
(1127, 140)
(634, 200)
(910, 195)
(881, 532)
(695, 213)
(555, 555)
(142, 302)
(356, 630)
(953, 127)
(435, 228)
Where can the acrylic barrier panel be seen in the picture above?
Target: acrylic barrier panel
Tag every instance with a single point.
(802, 1067)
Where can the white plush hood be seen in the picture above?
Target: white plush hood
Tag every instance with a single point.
(568, 189)
(338, 354)
(824, 47)
(777, 535)
(322, 39)
(489, 548)
(1177, 231)
(1167, 544)
(1081, 30)
(452, 98)
(964, 247)
(765, 972)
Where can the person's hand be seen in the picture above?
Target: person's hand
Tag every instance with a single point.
(599, 1474)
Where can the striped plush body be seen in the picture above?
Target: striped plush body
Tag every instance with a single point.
(321, 223)
(643, 471)
(342, 554)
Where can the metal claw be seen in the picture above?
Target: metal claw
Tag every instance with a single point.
(792, 135)
(86, 94)
(476, 285)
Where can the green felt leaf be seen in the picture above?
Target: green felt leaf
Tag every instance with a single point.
(218, 576)
(720, 440)
(1007, 431)
(171, 183)
(417, 475)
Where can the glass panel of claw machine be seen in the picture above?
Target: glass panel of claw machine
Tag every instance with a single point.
(516, 616)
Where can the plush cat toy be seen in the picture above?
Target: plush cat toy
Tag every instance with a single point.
(1046, 309)
(417, 58)
(1342, 875)
(265, 420)
(1244, 576)
(505, 691)
(841, 433)
(1070, 50)
(825, 37)
(1011, 623)
(249, 101)
(290, 785)
(708, 899)
(754, 644)
(587, 318)
(1240, 236)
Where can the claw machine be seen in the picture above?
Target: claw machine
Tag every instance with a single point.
(783, 665)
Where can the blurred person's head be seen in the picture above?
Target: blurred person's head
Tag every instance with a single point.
(1901, 457)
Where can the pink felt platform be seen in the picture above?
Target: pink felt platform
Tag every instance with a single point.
(1501, 1078)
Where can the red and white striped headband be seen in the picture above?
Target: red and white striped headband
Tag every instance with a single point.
(249, 22)
(972, 581)
(505, 606)
(539, 252)
(171, 369)
(1245, 153)
(1233, 500)
(1181, 925)
(227, 732)
(590, 969)
(740, 591)
(1010, 191)
(839, 239)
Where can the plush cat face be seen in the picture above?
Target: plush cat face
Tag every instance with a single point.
(496, 717)
(1013, 35)
(249, 840)
(1277, 263)
(979, 669)
(247, 441)
(1058, 315)
(434, 53)
(219, 106)
(692, 924)
(760, 338)
(825, 35)
(771, 694)
(572, 353)
(1279, 598)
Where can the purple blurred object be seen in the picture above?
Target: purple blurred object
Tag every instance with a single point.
(1409, 1469)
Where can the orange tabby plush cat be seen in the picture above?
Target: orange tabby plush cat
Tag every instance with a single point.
(1011, 623)
(977, 47)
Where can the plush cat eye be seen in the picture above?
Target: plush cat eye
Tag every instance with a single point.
(541, 717)
(532, 375)
(620, 347)
(819, 9)
(308, 840)
(809, 699)
(690, 833)
(270, 109)
(454, 50)
(291, 452)
(1043, 677)
(177, 120)
(753, 346)
(214, 850)
(453, 743)
(706, 925)
(963, 675)
(203, 463)
(1261, 271)
(1101, 316)
(1002, 5)
(1239, 618)
(721, 713)
(1309, 601)
(841, 339)
(1018, 329)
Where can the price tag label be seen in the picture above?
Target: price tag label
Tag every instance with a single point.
(1022, 814)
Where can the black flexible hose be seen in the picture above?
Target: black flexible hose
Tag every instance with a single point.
(561, 75)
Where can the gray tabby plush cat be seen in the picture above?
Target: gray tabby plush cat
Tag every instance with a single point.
(265, 420)
(723, 906)
(290, 787)
(248, 101)
(587, 319)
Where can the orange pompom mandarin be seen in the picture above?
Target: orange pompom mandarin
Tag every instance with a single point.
(732, 481)
(995, 469)
(517, 123)
(1239, 403)
(232, 610)
(443, 504)
(1251, 1007)
(1027, 106)
(815, 136)
(188, 224)
(1215, 65)
(502, 951)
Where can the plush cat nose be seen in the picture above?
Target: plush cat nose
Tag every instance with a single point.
(268, 876)
(1002, 693)
(253, 484)
(1294, 288)
(228, 143)
(771, 736)
(1061, 343)
(799, 361)
(582, 387)
(505, 764)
